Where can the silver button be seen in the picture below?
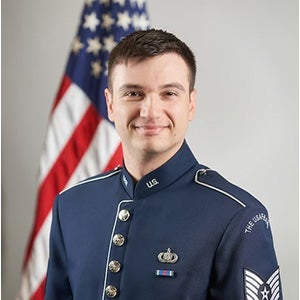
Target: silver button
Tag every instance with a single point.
(111, 291)
(118, 239)
(114, 266)
(124, 215)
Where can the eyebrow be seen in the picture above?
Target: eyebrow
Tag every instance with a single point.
(176, 85)
(127, 86)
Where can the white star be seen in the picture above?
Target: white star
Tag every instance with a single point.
(91, 21)
(96, 68)
(94, 46)
(89, 2)
(265, 294)
(140, 21)
(121, 2)
(107, 21)
(139, 3)
(105, 2)
(106, 68)
(124, 20)
(109, 43)
(76, 45)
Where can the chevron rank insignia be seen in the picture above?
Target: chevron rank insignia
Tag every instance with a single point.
(257, 288)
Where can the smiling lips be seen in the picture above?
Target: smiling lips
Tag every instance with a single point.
(148, 129)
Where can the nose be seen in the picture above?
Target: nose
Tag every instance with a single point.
(151, 107)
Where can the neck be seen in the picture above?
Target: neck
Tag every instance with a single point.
(141, 164)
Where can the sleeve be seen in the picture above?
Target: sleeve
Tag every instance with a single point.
(245, 265)
(57, 283)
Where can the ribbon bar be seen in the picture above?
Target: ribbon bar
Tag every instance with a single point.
(165, 273)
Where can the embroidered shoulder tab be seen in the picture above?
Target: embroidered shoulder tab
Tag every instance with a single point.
(98, 177)
(203, 172)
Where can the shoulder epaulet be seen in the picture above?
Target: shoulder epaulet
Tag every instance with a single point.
(95, 178)
(200, 179)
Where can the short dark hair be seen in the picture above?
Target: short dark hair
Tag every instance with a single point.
(144, 44)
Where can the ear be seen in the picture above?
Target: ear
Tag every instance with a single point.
(109, 104)
(192, 104)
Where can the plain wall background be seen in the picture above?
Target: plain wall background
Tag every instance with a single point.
(246, 124)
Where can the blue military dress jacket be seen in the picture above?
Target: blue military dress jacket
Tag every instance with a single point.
(182, 232)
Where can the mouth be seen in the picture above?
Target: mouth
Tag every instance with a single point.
(150, 130)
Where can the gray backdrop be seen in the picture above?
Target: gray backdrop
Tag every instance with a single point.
(246, 123)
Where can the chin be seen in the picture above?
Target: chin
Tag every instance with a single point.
(158, 147)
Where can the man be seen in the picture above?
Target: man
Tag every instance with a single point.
(162, 226)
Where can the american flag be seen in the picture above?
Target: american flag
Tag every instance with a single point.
(80, 140)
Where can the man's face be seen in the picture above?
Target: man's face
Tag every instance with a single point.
(151, 104)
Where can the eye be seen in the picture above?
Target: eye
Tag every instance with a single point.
(169, 94)
(134, 95)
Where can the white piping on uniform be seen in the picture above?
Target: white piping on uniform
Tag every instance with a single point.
(215, 188)
(91, 180)
(110, 244)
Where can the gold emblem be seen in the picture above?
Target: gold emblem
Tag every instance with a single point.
(168, 257)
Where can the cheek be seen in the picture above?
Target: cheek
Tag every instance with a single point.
(122, 116)
(118, 116)
(181, 113)
(181, 117)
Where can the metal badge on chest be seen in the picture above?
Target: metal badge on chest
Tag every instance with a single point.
(167, 257)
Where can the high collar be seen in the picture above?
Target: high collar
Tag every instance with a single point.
(161, 177)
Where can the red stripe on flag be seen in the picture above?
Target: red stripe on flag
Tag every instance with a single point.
(39, 293)
(116, 159)
(65, 84)
(62, 169)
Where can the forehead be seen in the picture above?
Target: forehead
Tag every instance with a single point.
(161, 69)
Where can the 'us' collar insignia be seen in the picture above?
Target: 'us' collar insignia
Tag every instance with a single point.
(257, 288)
(168, 257)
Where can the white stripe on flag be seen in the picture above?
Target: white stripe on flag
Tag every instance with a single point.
(99, 153)
(64, 119)
(36, 267)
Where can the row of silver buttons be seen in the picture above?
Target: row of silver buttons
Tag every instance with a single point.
(115, 266)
